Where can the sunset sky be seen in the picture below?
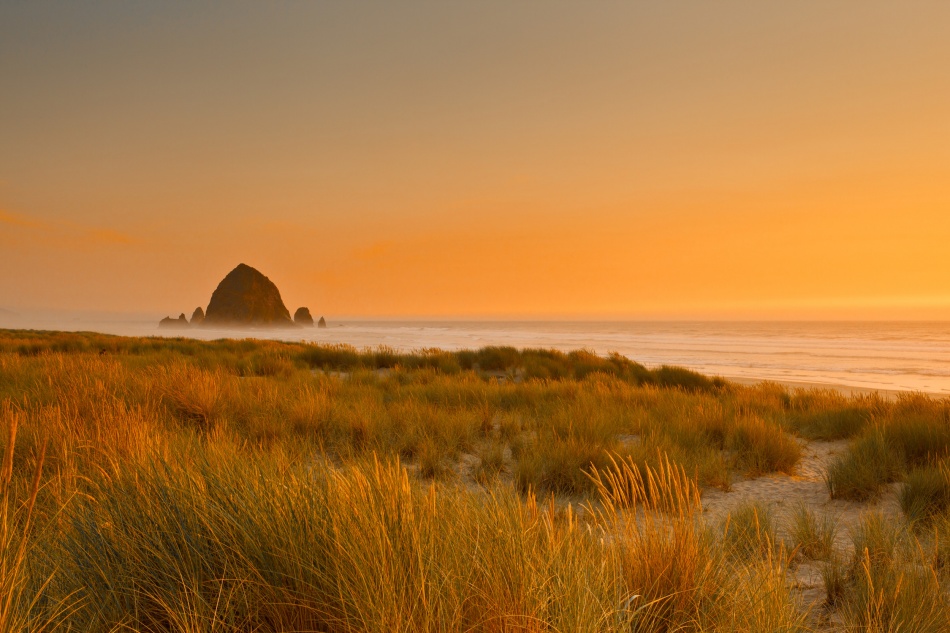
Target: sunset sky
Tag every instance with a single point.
(482, 159)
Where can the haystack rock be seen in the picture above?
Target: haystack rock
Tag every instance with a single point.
(245, 297)
(322, 322)
(197, 316)
(180, 322)
(302, 317)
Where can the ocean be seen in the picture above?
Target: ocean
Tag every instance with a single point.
(902, 356)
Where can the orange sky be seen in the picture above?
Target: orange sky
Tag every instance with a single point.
(492, 159)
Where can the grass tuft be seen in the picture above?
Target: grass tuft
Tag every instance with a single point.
(865, 469)
(749, 531)
(812, 536)
(762, 448)
(926, 493)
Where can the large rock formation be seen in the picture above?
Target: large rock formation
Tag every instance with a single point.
(245, 297)
(168, 322)
(322, 322)
(302, 317)
(198, 316)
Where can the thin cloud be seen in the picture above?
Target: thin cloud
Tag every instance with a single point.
(19, 221)
(95, 236)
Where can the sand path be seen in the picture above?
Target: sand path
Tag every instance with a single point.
(783, 494)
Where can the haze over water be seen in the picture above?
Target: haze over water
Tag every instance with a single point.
(901, 355)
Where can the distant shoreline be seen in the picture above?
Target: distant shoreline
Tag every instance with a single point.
(847, 390)
(706, 353)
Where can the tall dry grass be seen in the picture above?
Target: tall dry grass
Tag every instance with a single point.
(675, 575)
(21, 594)
(246, 485)
(890, 583)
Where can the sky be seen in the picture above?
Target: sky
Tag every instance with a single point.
(482, 159)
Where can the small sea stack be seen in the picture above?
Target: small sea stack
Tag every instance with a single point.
(303, 317)
(168, 322)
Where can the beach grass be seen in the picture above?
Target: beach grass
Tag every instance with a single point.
(913, 432)
(174, 484)
(812, 534)
(926, 493)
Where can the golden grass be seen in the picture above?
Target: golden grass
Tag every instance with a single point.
(912, 433)
(18, 599)
(891, 583)
(242, 485)
(812, 535)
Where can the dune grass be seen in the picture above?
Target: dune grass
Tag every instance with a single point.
(868, 466)
(926, 493)
(812, 536)
(890, 582)
(211, 540)
(749, 531)
(173, 484)
(912, 433)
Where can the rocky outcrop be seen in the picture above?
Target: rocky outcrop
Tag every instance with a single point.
(302, 317)
(168, 322)
(322, 322)
(245, 297)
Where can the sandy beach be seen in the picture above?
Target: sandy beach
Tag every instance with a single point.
(888, 394)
